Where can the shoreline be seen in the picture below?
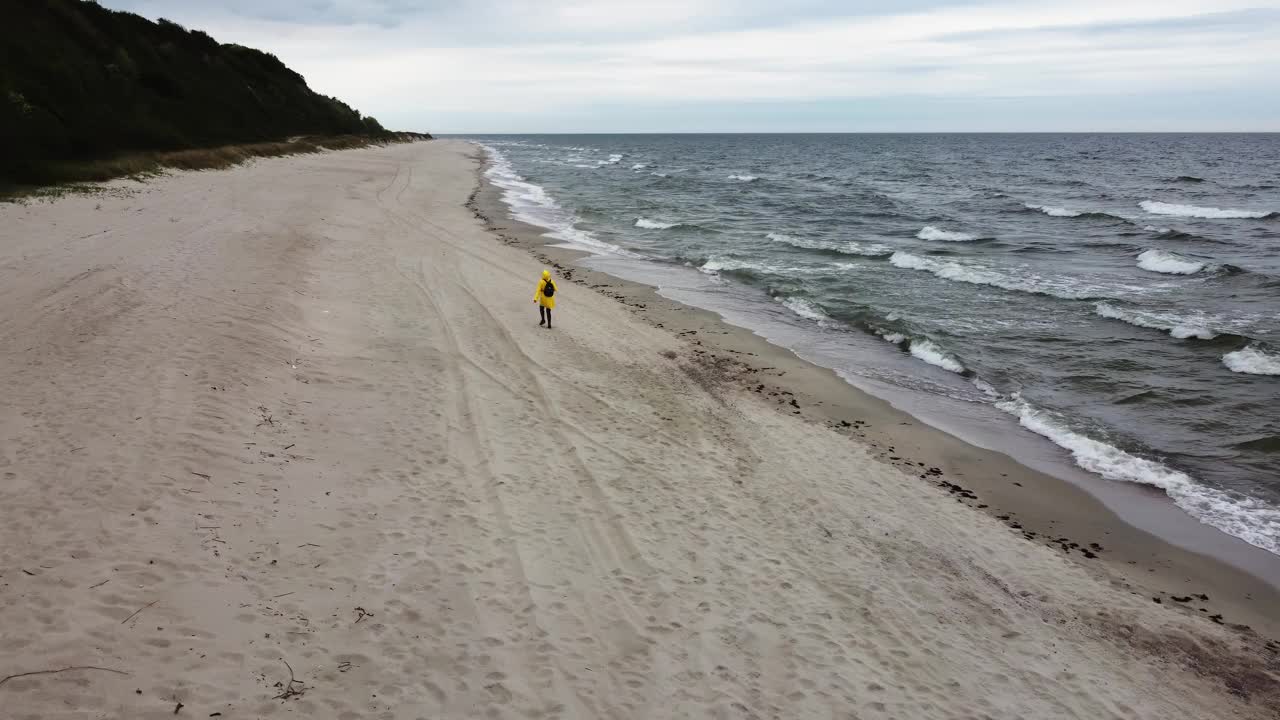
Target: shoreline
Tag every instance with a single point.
(287, 439)
(1035, 505)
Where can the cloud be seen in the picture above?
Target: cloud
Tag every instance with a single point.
(385, 13)
(503, 63)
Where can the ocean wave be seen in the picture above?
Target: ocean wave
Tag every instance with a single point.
(648, 224)
(516, 192)
(1168, 263)
(613, 160)
(1253, 521)
(1188, 179)
(1053, 211)
(1066, 288)
(986, 388)
(929, 352)
(1081, 214)
(530, 203)
(893, 338)
(1252, 360)
(805, 309)
(1208, 213)
(1175, 234)
(659, 174)
(639, 166)
(743, 178)
(922, 349)
(719, 264)
(844, 248)
(932, 233)
(1177, 326)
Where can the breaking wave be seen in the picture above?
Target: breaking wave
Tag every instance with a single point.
(720, 264)
(844, 248)
(922, 349)
(1065, 288)
(647, 224)
(1252, 360)
(1253, 521)
(1054, 211)
(805, 309)
(532, 204)
(1182, 328)
(744, 178)
(929, 352)
(1068, 213)
(932, 233)
(1168, 263)
(1208, 213)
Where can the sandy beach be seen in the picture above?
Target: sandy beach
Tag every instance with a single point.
(287, 439)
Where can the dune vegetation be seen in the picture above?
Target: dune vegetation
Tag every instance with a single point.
(88, 93)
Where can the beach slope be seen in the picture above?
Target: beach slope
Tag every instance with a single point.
(287, 438)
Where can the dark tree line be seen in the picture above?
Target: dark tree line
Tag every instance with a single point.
(79, 82)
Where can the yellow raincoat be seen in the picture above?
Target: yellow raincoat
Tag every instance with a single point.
(546, 302)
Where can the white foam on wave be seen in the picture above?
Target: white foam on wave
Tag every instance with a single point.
(1208, 213)
(805, 309)
(659, 174)
(744, 178)
(1253, 521)
(647, 224)
(986, 388)
(1054, 211)
(924, 349)
(848, 247)
(1162, 261)
(1065, 288)
(517, 193)
(929, 352)
(530, 203)
(1252, 360)
(1180, 327)
(716, 265)
(613, 160)
(1157, 230)
(932, 233)
(639, 166)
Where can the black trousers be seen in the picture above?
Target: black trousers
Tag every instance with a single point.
(545, 314)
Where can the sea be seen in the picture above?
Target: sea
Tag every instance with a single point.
(1114, 298)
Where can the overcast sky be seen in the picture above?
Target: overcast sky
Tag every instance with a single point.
(777, 65)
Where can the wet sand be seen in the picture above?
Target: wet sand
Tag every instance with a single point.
(1034, 505)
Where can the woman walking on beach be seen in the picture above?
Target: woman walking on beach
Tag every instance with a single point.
(545, 298)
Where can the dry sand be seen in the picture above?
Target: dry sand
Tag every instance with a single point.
(300, 412)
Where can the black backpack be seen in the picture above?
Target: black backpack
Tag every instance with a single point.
(549, 289)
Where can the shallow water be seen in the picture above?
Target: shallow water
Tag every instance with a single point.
(1117, 295)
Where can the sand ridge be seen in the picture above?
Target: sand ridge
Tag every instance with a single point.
(287, 438)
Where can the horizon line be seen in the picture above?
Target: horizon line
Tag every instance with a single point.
(879, 132)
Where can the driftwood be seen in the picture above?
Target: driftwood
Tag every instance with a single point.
(135, 612)
(7, 678)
